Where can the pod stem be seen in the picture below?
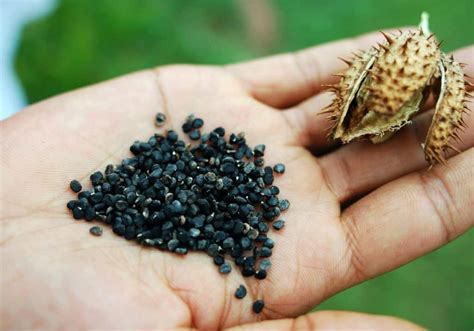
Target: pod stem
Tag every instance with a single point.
(424, 23)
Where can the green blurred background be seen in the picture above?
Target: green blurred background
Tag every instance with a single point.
(83, 42)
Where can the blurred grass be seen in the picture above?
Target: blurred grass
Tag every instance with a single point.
(83, 42)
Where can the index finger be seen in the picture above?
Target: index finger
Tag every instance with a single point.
(286, 79)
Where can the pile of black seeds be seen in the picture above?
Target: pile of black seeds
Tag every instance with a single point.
(214, 196)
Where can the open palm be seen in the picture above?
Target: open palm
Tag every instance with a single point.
(55, 274)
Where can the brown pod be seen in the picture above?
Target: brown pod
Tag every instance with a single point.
(384, 88)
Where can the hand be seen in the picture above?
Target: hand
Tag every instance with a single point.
(56, 275)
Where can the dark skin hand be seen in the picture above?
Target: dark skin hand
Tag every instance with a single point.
(55, 275)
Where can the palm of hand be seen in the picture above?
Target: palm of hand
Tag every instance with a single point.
(316, 255)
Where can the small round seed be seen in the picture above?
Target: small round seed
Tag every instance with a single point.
(198, 123)
(258, 306)
(284, 204)
(96, 230)
(259, 150)
(160, 119)
(195, 135)
(277, 225)
(265, 252)
(279, 168)
(181, 250)
(260, 274)
(173, 244)
(265, 264)
(75, 186)
(77, 213)
(71, 204)
(241, 292)
(96, 178)
(225, 268)
(219, 260)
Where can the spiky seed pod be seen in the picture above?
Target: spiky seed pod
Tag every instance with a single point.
(447, 118)
(403, 67)
(348, 87)
(385, 87)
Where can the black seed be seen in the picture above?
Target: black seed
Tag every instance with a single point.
(269, 243)
(265, 264)
(210, 177)
(71, 204)
(259, 162)
(77, 213)
(89, 213)
(96, 197)
(121, 205)
(268, 179)
(265, 252)
(187, 127)
(202, 245)
(195, 135)
(181, 250)
(198, 123)
(167, 226)
(263, 227)
(96, 230)
(220, 236)
(96, 178)
(225, 268)
(259, 150)
(241, 292)
(260, 274)
(236, 251)
(220, 131)
(177, 207)
(172, 136)
(252, 234)
(160, 119)
(113, 178)
(227, 168)
(119, 229)
(249, 261)
(130, 233)
(75, 186)
(198, 221)
(284, 204)
(213, 250)
(218, 260)
(248, 271)
(277, 225)
(228, 243)
(246, 243)
(273, 201)
(258, 306)
(279, 168)
(194, 233)
(173, 244)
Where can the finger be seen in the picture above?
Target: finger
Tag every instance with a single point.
(287, 79)
(466, 55)
(311, 126)
(334, 320)
(360, 167)
(406, 219)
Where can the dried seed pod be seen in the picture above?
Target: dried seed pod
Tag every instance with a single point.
(347, 89)
(385, 87)
(404, 66)
(448, 112)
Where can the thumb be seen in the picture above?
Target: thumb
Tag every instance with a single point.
(334, 320)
